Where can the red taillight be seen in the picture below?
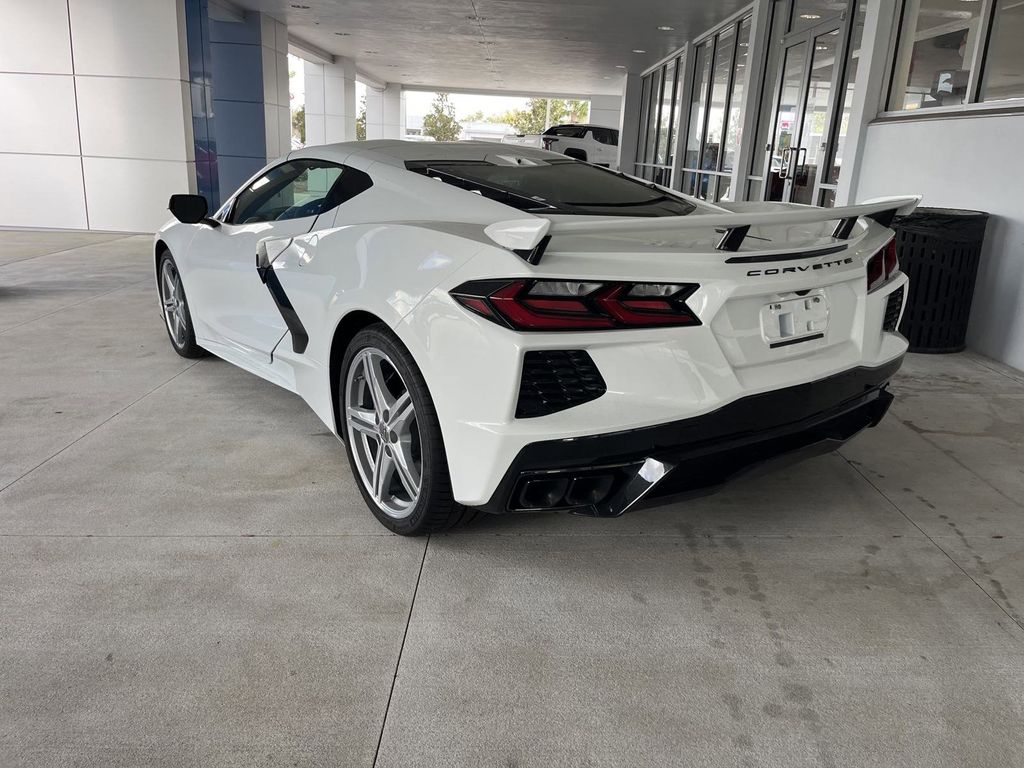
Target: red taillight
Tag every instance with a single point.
(883, 265)
(567, 305)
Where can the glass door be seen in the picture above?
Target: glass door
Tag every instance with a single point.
(800, 139)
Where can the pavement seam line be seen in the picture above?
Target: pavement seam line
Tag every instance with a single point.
(934, 543)
(64, 250)
(75, 304)
(401, 649)
(105, 421)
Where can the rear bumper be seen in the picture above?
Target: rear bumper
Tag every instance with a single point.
(619, 470)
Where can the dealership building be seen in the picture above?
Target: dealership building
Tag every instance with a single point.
(112, 105)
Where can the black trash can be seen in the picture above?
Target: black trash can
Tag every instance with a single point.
(939, 250)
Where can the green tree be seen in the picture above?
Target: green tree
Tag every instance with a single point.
(299, 123)
(475, 117)
(441, 122)
(361, 121)
(537, 117)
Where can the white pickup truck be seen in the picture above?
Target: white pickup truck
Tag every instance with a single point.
(592, 143)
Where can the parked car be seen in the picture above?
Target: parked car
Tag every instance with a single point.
(590, 143)
(504, 329)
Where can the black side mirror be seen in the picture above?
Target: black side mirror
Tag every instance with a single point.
(188, 209)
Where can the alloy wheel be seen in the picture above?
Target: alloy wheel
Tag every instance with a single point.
(172, 296)
(383, 432)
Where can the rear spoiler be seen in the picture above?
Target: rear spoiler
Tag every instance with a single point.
(528, 238)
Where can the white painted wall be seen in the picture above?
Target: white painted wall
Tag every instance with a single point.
(972, 163)
(384, 112)
(330, 101)
(96, 130)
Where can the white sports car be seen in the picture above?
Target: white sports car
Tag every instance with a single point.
(491, 328)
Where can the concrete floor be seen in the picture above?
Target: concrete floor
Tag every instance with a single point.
(189, 577)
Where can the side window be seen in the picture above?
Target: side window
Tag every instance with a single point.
(296, 189)
(605, 136)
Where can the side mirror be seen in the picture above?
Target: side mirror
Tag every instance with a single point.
(190, 209)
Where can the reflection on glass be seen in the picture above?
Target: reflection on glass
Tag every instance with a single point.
(702, 73)
(732, 125)
(719, 93)
(645, 99)
(785, 118)
(811, 13)
(936, 47)
(852, 64)
(652, 123)
(814, 126)
(1004, 66)
(673, 134)
(664, 151)
(779, 20)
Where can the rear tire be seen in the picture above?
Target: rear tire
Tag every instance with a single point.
(175, 310)
(393, 438)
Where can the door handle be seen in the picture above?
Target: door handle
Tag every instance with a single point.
(787, 155)
(798, 166)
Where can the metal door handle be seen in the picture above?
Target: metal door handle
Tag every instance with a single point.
(787, 154)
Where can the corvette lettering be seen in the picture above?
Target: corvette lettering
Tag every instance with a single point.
(796, 270)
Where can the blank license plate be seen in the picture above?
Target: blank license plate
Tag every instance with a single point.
(794, 320)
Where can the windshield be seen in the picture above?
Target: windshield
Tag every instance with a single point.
(556, 186)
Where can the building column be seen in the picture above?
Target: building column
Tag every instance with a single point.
(252, 118)
(330, 102)
(629, 122)
(97, 127)
(384, 112)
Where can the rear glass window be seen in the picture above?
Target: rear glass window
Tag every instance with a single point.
(555, 186)
(570, 131)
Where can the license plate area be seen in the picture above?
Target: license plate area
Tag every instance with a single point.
(794, 320)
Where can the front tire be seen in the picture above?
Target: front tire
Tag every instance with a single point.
(393, 438)
(174, 306)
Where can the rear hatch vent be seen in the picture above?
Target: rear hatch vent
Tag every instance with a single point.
(892, 310)
(554, 380)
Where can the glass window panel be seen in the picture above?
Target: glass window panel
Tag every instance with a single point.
(689, 179)
(754, 190)
(935, 51)
(764, 120)
(785, 117)
(642, 132)
(852, 65)
(652, 123)
(719, 95)
(724, 188)
(814, 126)
(673, 135)
(733, 126)
(695, 132)
(665, 126)
(810, 13)
(1004, 64)
(828, 198)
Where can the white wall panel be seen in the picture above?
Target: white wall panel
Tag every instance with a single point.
(965, 163)
(269, 61)
(272, 127)
(131, 195)
(34, 37)
(39, 114)
(134, 118)
(282, 39)
(284, 118)
(42, 191)
(138, 38)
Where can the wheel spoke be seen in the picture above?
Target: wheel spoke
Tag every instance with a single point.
(382, 399)
(362, 420)
(401, 413)
(406, 468)
(383, 471)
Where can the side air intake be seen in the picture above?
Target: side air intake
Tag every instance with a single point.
(554, 380)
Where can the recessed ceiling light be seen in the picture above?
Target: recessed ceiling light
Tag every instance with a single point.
(620, 66)
(606, 77)
(666, 28)
(810, 16)
(821, 47)
(744, 45)
(639, 50)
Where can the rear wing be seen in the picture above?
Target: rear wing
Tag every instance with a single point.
(529, 237)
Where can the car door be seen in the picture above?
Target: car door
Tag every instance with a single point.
(232, 304)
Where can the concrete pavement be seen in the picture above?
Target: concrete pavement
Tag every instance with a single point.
(188, 576)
